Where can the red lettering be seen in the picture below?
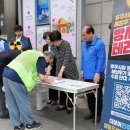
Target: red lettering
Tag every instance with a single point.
(115, 49)
(118, 38)
(119, 31)
(127, 33)
(120, 47)
(126, 47)
(121, 41)
(118, 34)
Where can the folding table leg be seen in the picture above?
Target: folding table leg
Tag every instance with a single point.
(96, 106)
(74, 108)
(74, 112)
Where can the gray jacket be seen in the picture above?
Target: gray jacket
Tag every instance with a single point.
(64, 57)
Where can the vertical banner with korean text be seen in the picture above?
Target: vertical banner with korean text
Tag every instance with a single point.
(116, 107)
(63, 18)
(29, 20)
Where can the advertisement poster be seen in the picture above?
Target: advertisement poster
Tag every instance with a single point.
(40, 31)
(42, 11)
(63, 19)
(116, 107)
(29, 20)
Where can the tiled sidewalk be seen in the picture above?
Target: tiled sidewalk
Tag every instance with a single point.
(53, 120)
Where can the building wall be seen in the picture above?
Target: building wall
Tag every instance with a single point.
(80, 14)
(1, 13)
(99, 14)
(10, 17)
(1, 6)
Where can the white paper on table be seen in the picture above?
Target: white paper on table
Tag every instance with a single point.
(58, 81)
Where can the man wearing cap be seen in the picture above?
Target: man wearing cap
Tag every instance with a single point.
(19, 78)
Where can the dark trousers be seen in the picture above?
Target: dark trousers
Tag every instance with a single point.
(3, 109)
(91, 99)
(53, 94)
(63, 98)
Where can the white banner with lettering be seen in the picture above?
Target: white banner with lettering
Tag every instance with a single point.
(29, 29)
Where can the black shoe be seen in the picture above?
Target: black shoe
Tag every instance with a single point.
(5, 116)
(33, 126)
(69, 111)
(53, 103)
(89, 116)
(98, 119)
(60, 108)
(49, 102)
(21, 127)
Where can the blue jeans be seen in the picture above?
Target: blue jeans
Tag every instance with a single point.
(18, 102)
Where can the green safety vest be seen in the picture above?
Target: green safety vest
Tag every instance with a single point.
(26, 67)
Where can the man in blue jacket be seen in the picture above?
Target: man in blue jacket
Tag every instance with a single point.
(92, 67)
(3, 44)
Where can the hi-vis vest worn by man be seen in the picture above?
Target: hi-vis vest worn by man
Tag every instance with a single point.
(26, 67)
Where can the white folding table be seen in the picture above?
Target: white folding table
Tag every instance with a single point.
(73, 86)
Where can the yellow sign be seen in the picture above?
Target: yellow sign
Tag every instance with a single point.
(15, 45)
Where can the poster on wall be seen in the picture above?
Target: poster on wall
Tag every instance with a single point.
(42, 12)
(29, 21)
(116, 107)
(63, 19)
(40, 31)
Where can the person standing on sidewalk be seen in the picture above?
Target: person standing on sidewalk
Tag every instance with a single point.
(5, 58)
(53, 94)
(20, 41)
(65, 67)
(19, 78)
(92, 67)
(3, 43)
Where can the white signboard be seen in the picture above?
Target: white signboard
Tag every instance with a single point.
(29, 20)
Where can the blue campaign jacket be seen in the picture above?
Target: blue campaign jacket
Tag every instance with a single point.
(4, 46)
(93, 58)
